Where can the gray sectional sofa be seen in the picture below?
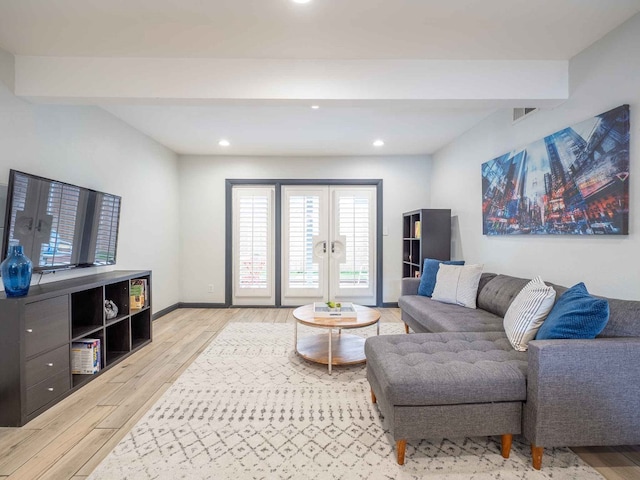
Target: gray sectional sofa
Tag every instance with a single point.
(459, 376)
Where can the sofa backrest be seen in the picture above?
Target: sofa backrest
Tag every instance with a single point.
(624, 319)
(496, 292)
(496, 295)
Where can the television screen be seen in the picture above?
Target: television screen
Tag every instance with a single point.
(60, 225)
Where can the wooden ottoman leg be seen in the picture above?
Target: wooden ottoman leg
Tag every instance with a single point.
(507, 439)
(401, 446)
(373, 396)
(406, 328)
(536, 454)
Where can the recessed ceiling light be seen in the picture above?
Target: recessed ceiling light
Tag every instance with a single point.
(224, 143)
(378, 143)
(301, 1)
(315, 107)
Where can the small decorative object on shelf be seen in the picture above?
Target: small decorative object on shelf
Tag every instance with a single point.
(16, 272)
(417, 230)
(110, 309)
(332, 309)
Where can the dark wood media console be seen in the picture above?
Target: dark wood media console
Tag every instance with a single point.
(37, 332)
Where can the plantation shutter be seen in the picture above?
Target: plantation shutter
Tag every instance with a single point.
(354, 224)
(253, 245)
(304, 225)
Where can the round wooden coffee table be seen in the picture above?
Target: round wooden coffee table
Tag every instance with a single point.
(334, 348)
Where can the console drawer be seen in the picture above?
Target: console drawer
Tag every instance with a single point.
(46, 324)
(48, 390)
(47, 365)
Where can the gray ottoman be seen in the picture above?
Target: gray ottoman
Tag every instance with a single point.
(439, 385)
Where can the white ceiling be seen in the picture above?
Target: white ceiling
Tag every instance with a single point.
(334, 129)
(348, 29)
(322, 29)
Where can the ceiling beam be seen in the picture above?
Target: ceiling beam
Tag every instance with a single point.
(128, 80)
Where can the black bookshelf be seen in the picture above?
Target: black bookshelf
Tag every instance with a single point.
(426, 233)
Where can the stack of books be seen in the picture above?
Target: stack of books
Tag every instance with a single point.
(85, 356)
(138, 293)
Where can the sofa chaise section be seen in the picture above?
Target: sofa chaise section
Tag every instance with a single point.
(447, 385)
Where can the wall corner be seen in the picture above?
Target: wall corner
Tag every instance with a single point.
(8, 69)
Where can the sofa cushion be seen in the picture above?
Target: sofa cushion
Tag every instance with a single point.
(443, 317)
(458, 284)
(447, 368)
(623, 315)
(527, 312)
(497, 294)
(623, 319)
(576, 314)
(485, 278)
(429, 272)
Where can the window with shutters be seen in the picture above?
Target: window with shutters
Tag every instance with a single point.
(253, 241)
(304, 224)
(354, 225)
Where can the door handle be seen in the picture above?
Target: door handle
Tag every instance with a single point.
(333, 247)
(324, 247)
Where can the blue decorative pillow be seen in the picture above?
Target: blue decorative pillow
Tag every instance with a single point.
(429, 274)
(576, 314)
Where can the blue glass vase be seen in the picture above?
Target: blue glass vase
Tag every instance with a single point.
(16, 272)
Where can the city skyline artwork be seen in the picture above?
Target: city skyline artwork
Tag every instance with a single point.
(572, 182)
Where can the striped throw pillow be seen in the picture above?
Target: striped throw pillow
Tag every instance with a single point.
(457, 284)
(527, 312)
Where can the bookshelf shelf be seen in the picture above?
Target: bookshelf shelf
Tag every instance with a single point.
(82, 332)
(119, 318)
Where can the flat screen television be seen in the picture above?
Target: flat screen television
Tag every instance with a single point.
(60, 225)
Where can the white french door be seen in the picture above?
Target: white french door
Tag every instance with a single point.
(253, 245)
(328, 244)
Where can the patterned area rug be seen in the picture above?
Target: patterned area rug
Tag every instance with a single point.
(250, 408)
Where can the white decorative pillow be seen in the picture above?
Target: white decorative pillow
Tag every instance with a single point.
(457, 284)
(527, 312)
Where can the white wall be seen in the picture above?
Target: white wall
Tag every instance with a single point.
(89, 147)
(602, 77)
(202, 208)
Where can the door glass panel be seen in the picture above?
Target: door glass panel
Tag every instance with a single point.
(304, 225)
(354, 225)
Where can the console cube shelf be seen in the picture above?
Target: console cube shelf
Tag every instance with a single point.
(37, 330)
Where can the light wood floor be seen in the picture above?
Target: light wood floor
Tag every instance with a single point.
(72, 438)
